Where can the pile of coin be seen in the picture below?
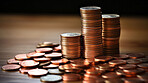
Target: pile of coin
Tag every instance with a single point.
(51, 66)
(71, 45)
(111, 34)
(91, 31)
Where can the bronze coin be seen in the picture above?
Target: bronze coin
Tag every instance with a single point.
(117, 62)
(93, 71)
(103, 58)
(72, 77)
(133, 71)
(51, 79)
(133, 61)
(44, 50)
(143, 65)
(127, 66)
(37, 72)
(13, 61)
(21, 57)
(132, 80)
(122, 73)
(29, 63)
(143, 60)
(136, 55)
(124, 56)
(60, 61)
(93, 79)
(51, 66)
(110, 75)
(143, 76)
(57, 49)
(24, 70)
(10, 67)
(55, 71)
(35, 55)
(53, 55)
(113, 80)
(44, 63)
(42, 59)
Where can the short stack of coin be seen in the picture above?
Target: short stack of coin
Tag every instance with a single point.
(91, 31)
(71, 45)
(111, 34)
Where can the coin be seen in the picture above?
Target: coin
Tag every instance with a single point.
(103, 58)
(127, 66)
(143, 65)
(35, 55)
(93, 71)
(110, 75)
(71, 77)
(42, 59)
(55, 71)
(51, 78)
(24, 70)
(57, 49)
(21, 57)
(143, 76)
(13, 61)
(53, 55)
(60, 61)
(136, 55)
(51, 66)
(29, 63)
(133, 61)
(10, 67)
(132, 80)
(44, 63)
(117, 62)
(44, 50)
(133, 71)
(37, 72)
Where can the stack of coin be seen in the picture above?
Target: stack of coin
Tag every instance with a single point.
(111, 34)
(91, 31)
(71, 45)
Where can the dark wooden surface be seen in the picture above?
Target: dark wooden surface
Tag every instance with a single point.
(21, 34)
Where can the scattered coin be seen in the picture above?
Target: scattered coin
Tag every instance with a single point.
(10, 67)
(21, 57)
(51, 78)
(29, 63)
(44, 50)
(13, 61)
(37, 72)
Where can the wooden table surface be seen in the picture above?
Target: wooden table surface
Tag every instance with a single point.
(21, 34)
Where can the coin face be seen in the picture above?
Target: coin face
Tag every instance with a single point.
(13, 61)
(29, 63)
(51, 78)
(110, 16)
(42, 59)
(44, 50)
(53, 55)
(90, 8)
(55, 71)
(127, 66)
(110, 75)
(71, 77)
(60, 61)
(10, 67)
(35, 55)
(143, 65)
(132, 80)
(51, 66)
(133, 61)
(70, 34)
(37, 72)
(24, 70)
(117, 62)
(21, 57)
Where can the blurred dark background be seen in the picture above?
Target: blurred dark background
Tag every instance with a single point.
(122, 7)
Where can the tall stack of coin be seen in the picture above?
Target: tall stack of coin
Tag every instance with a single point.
(91, 31)
(111, 34)
(70, 43)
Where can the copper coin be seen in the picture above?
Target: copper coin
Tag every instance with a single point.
(35, 55)
(133, 71)
(24, 70)
(58, 48)
(44, 63)
(143, 76)
(113, 81)
(10, 67)
(103, 58)
(136, 55)
(44, 50)
(29, 63)
(55, 71)
(37, 72)
(121, 73)
(93, 79)
(127, 66)
(53, 55)
(143, 60)
(51, 66)
(143, 65)
(110, 75)
(117, 62)
(21, 57)
(93, 71)
(13, 61)
(51, 78)
(42, 59)
(60, 61)
(132, 80)
(124, 56)
(133, 61)
(81, 64)
(71, 77)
